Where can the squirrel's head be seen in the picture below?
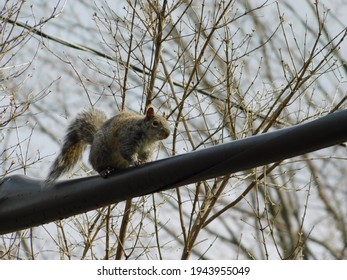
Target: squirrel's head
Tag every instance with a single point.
(157, 124)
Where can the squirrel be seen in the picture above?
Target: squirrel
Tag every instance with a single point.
(125, 140)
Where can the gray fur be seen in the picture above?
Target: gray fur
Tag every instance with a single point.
(125, 140)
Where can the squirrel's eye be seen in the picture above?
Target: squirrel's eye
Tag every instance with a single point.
(155, 123)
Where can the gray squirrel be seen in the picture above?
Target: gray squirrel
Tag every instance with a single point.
(127, 139)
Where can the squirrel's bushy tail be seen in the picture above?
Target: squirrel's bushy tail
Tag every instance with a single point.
(79, 134)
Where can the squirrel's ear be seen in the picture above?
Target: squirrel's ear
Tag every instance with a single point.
(150, 112)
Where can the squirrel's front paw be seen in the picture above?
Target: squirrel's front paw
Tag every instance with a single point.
(106, 172)
(139, 162)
